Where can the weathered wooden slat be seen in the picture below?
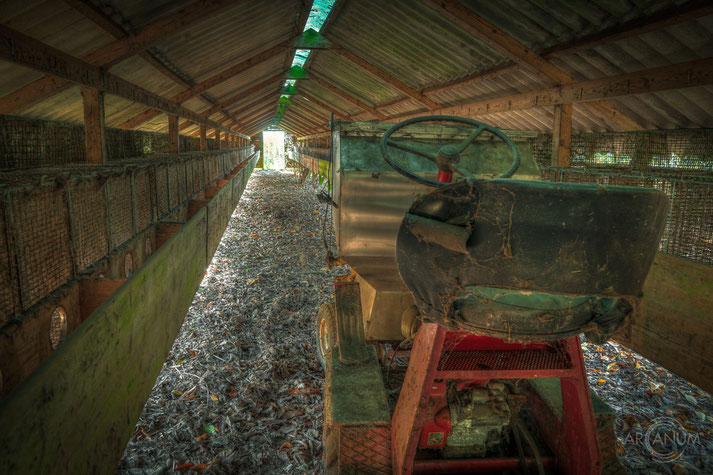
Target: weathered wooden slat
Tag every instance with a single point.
(21, 49)
(204, 141)
(674, 323)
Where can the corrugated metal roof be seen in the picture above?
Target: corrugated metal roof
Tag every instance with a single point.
(408, 40)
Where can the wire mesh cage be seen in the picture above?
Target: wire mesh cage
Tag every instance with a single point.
(8, 285)
(172, 186)
(680, 163)
(89, 224)
(161, 175)
(40, 225)
(142, 195)
(27, 143)
(120, 209)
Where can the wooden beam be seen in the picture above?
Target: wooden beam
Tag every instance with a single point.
(204, 140)
(660, 20)
(173, 139)
(521, 54)
(296, 117)
(93, 13)
(677, 76)
(347, 97)
(114, 52)
(211, 82)
(308, 114)
(338, 114)
(384, 76)
(562, 135)
(657, 21)
(673, 325)
(23, 50)
(217, 139)
(243, 94)
(260, 100)
(94, 132)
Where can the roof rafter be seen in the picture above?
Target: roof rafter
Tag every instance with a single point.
(114, 52)
(337, 113)
(94, 14)
(208, 83)
(261, 87)
(518, 52)
(23, 50)
(677, 76)
(383, 76)
(317, 78)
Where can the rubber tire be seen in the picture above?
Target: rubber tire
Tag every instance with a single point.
(326, 321)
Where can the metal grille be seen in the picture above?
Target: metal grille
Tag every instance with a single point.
(161, 191)
(42, 238)
(120, 209)
(88, 214)
(27, 143)
(172, 186)
(365, 449)
(8, 285)
(142, 193)
(499, 360)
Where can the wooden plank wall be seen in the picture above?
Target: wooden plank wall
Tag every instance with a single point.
(76, 412)
(674, 324)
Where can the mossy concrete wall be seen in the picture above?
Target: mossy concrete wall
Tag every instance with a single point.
(76, 412)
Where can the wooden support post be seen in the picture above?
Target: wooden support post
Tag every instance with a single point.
(562, 135)
(173, 142)
(204, 141)
(94, 136)
(217, 139)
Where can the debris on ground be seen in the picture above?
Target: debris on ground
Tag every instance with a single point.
(241, 390)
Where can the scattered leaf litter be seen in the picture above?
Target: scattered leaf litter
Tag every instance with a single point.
(241, 390)
(652, 405)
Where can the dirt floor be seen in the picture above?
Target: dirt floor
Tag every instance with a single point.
(240, 391)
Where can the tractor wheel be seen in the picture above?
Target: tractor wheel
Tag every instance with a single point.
(326, 331)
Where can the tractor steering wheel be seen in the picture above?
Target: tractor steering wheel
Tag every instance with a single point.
(448, 155)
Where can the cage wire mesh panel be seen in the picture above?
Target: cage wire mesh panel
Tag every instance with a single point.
(680, 163)
(88, 217)
(120, 209)
(172, 186)
(161, 191)
(8, 285)
(142, 194)
(42, 241)
(28, 143)
(182, 192)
